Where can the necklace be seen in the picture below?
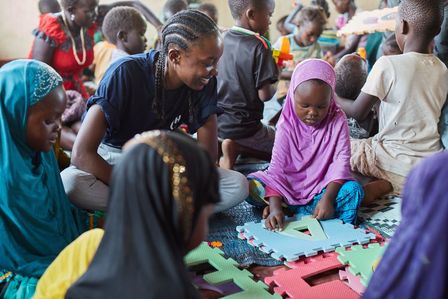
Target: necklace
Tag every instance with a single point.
(84, 56)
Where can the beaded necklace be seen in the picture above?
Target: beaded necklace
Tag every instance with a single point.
(84, 56)
(264, 40)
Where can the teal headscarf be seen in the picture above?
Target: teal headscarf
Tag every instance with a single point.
(36, 218)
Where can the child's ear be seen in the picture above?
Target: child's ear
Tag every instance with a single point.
(404, 27)
(122, 36)
(250, 13)
(174, 56)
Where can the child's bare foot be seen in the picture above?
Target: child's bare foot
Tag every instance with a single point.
(375, 189)
(229, 154)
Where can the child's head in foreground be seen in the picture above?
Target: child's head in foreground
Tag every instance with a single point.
(351, 74)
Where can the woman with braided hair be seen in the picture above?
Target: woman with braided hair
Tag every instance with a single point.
(156, 90)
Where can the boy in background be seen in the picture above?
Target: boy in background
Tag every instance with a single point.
(246, 76)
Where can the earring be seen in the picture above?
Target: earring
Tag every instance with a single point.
(72, 17)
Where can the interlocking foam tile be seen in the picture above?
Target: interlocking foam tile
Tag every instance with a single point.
(360, 259)
(293, 284)
(228, 271)
(352, 281)
(284, 246)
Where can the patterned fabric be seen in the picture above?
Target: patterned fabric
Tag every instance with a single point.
(76, 106)
(36, 219)
(346, 203)
(383, 215)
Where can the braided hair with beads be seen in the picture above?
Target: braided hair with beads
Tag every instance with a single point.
(182, 29)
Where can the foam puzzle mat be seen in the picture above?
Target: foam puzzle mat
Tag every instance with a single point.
(227, 271)
(293, 283)
(360, 259)
(284, 246)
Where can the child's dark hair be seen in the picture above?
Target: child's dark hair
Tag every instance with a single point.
(391, 44)
(210, 8)
(181, 30)
(49, 6)
(172, 7)
(68, 3)
(121, 19)
(324, 5)
(351, 74)
(238, 7)
(313, 14)
(425, 16)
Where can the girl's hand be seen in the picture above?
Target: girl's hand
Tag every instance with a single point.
(324, 209)
(274, 218)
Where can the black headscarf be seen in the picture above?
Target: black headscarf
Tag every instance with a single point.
(157, 191)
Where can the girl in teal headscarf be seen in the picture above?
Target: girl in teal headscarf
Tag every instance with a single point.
(36, 219)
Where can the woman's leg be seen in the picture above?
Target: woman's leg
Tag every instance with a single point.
(233, 189)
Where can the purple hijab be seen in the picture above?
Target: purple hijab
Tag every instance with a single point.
(415, 264)
(306, 159)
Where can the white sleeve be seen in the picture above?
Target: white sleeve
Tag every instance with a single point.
(380, 79)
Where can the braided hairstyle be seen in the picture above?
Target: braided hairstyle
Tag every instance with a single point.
(182, 29)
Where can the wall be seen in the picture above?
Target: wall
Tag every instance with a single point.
(19, 17)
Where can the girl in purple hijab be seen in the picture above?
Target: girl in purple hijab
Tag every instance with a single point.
(415, 262)
(310, 167)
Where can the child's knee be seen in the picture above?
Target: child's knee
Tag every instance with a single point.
(354, 188)
(256, 193)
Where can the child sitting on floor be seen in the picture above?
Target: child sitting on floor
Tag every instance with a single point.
(37, 220)
(412, 89)
(246, 74)
(351, 74)
(123, 27)
(162, 193)
(310, 166)
(303, 43)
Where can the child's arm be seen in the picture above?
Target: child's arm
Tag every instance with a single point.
(274, 214)
(290, 20)
(286, 75)
(42, 51)
(360, 108)
(325, 207)
(350, 48)
(208, 136)
(267, 91)
(85, 155)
